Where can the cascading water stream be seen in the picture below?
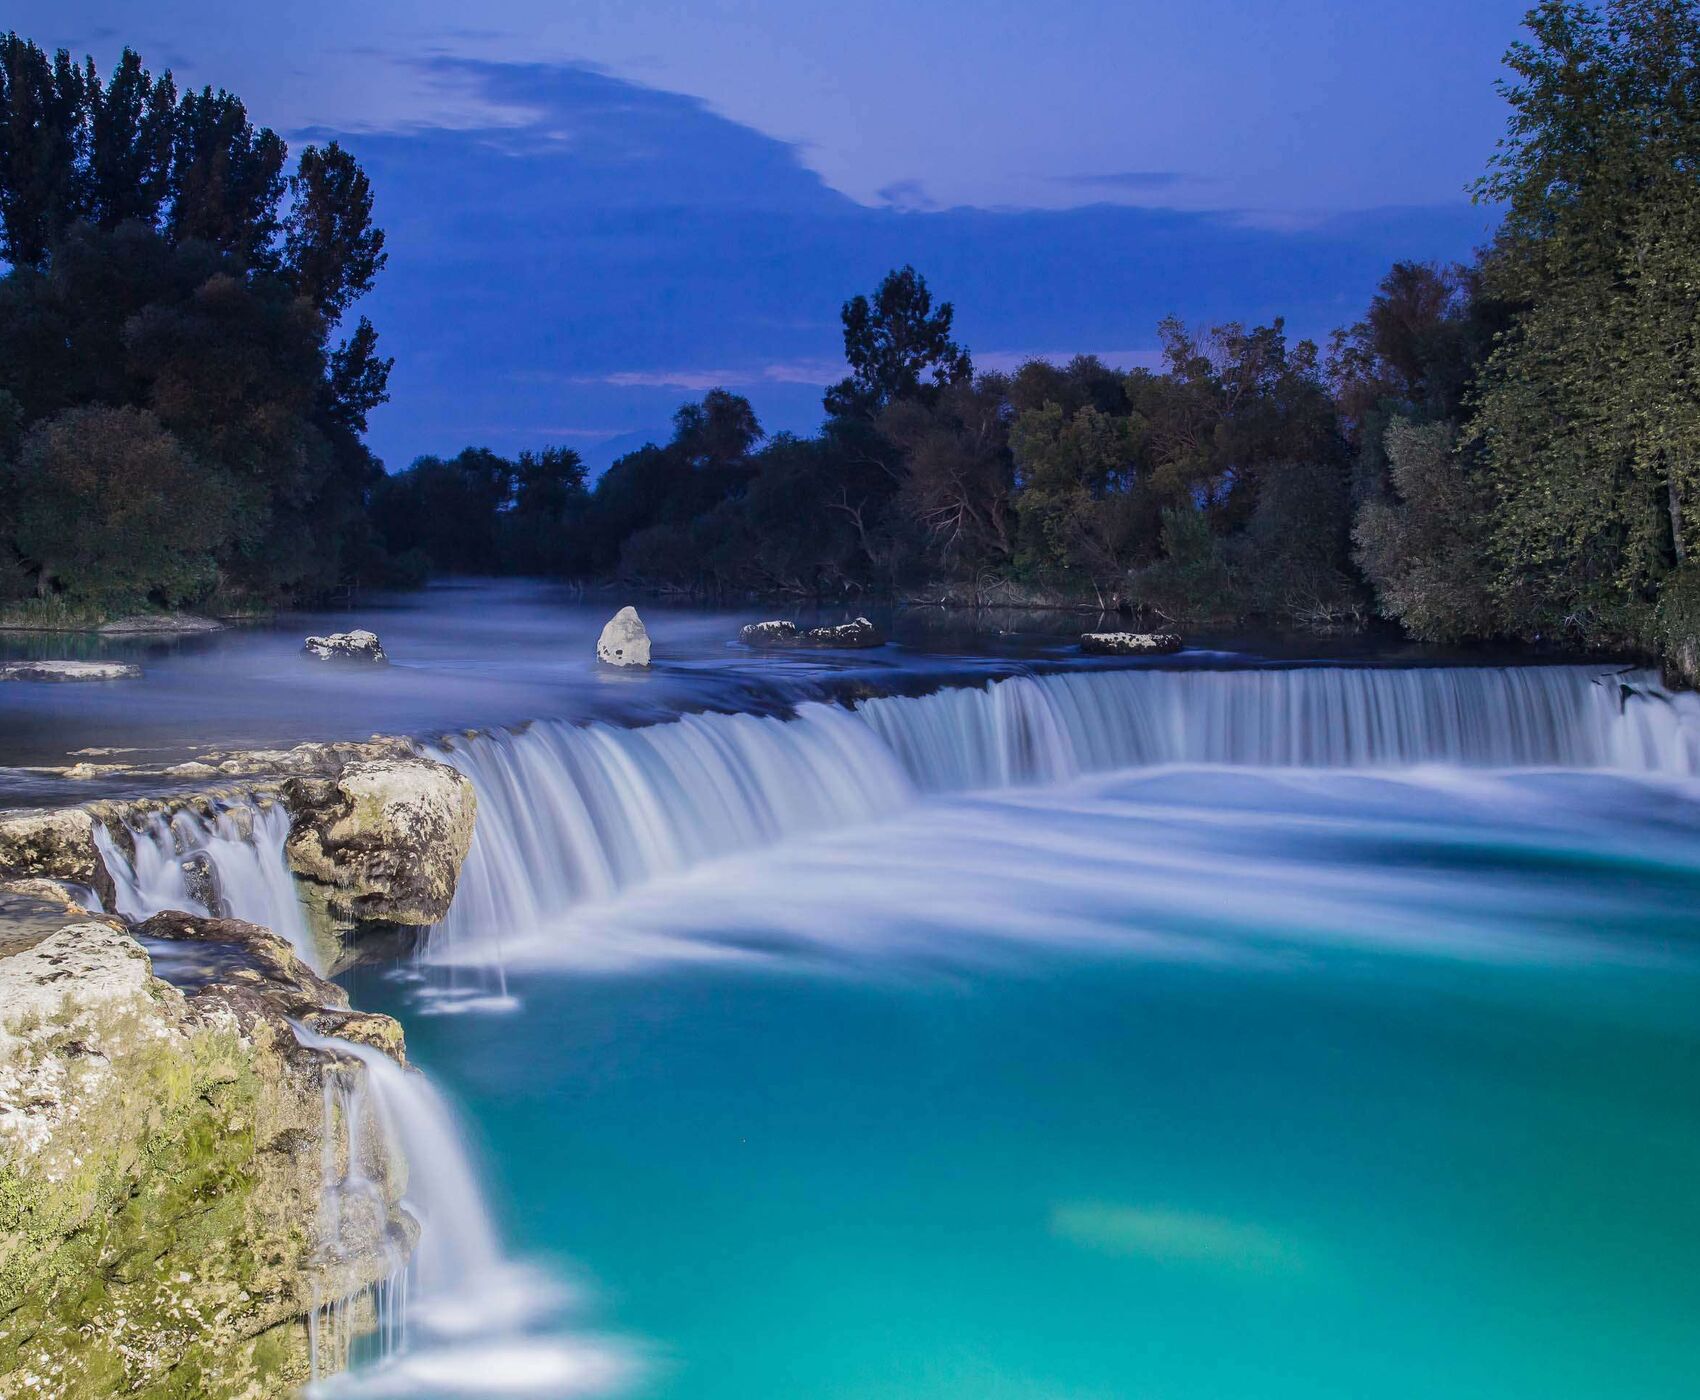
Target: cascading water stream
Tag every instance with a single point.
(230, 865)
(459, 1314)
(572, 813)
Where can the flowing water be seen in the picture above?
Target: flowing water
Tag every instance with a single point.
(1269, 1032)
(228, 865)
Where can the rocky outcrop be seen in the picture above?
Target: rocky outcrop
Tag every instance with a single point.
(57, 844)
(69, 671)
(162, 1166)
(1129, 643)
(847, 636)
(624, 640)
(380, 841)
(358, 645)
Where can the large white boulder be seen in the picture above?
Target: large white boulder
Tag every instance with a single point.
(624, 641)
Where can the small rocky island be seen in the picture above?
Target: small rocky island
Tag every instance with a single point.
(171, 1141)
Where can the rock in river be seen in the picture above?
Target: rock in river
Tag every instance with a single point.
(849, 635)
(381, 841)
(358, 645)
(770, 634)
(624, 641)
(69, 671)
(1129, 643)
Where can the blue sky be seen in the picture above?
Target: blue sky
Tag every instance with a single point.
(598, 209)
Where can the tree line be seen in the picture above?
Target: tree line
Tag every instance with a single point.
(180, 414)
(1504, 449)
(1500, 449)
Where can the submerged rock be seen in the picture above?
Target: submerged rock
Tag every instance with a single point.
(770, 634)
(1129, 643)
(381, 841)
(69, 671)
(358, 645)
(849, 635)
(163, 1167)
(624, 640)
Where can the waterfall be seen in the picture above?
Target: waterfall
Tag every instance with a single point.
(571, 813)
(459, 1316)
(228, 865)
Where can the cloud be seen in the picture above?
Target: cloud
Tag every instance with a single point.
(909, 196)
(1130, 180)
(621, 248)
(700, 381)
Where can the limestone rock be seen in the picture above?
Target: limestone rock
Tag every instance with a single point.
(69, 671)
(624, 640)
(382, 841)
(161, 1178)
(770, 634)
(358, 645)
(1129, 643)
(53, 844)
(847, 635)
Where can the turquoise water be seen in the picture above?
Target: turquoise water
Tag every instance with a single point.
(1193, 1083)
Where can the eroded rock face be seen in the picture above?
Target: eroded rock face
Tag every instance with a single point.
(624, 640)
(162, 1171)
(381, 841)
(1129, 643)
(69, 671)
(56, 844)
(358, 645)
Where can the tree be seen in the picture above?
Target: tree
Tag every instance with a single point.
(131, 125)
(332, 251)
(1587, 417)
(897, 347)
(41, 146)
(226, 178)
(959, 478)
(1424, 548)
(111, 506)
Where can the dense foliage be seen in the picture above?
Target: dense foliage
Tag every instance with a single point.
(1505, 449)
(178, 422)
(1508, 449)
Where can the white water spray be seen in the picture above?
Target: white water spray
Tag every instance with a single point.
(229, 866)
(569, 814)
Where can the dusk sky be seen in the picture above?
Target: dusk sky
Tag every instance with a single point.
(596, 210)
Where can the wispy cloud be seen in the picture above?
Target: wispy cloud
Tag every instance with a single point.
(910, 196)
(700, 381)
(1131, 180)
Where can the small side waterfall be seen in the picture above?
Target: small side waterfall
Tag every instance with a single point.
(458, 1313)
(230, 865)
(569, 813)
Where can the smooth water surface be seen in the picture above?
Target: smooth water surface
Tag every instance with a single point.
(1179, 1082)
